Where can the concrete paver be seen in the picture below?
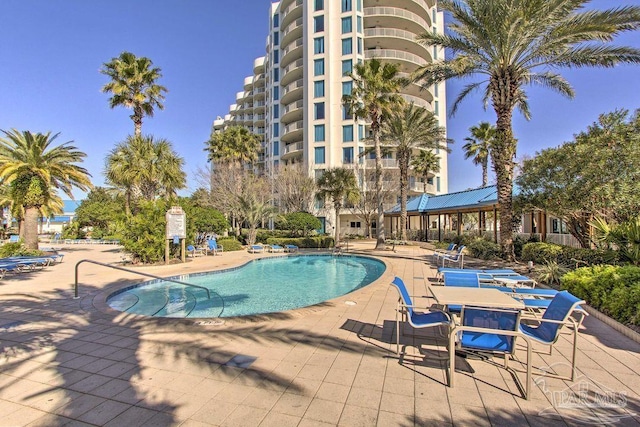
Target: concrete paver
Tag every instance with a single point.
(66, 361)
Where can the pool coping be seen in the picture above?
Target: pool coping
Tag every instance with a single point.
(99, 300)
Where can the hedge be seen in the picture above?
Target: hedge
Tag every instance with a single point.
(614, 290)
(541, 253)
(302, 242)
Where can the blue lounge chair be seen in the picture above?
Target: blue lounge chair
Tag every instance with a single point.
(214, 247)
(290, 248)
(275, 248)
(488, 330)
(462, 279)
(456, 257)
(193, 251)
(557, 314)
(256, 248)
(441, 252)
(431, 319)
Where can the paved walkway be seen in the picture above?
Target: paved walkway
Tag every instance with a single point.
(73, 362)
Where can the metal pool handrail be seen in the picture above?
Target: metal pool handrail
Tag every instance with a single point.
(75, 296)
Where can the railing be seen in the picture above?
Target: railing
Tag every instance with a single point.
(395, 11)
(396, 54)
(153, 276)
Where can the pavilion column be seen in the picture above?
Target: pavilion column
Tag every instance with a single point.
(459, 225)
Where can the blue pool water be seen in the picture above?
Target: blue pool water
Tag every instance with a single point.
(265, 285)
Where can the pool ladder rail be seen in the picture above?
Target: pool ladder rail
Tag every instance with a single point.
(153, 276)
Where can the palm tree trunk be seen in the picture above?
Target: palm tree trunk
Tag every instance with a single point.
(403, 162)
(337, 233)
(485, 175)
(380, 242)
(31, 214)
(137, 121)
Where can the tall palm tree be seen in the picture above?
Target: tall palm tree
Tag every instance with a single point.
(133, 85)
(424, 163)
(408, 129)
(373, 97)
(338, 184)
(515, 43)
(143, 167)
(34, 170)
(234, 146)
(478, 147)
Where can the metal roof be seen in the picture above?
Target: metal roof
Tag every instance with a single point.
(476, 197)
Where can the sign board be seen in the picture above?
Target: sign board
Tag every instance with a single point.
(176, 223)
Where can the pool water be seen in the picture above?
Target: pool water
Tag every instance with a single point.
(266, 285)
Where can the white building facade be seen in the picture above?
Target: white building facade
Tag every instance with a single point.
(293, 98)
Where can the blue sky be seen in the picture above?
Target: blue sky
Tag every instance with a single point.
(51, 54)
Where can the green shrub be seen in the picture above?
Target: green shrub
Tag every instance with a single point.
(303, 242)
(483, 249)
(541, 253)
(614, 290)
(230, 244)
(17, 249)
(550, 273)
(300, 223)
(144, 236)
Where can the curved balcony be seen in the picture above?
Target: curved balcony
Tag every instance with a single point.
(418, 102)
(218, 123)
(395, 17)
(259, 93)
(291, 72)
(415, 90)
(259, 80)
(419, 188)
(292, 132)
(398, 39)
(258, 119)
(248, 83)
(284, 4)
(419, 7)
(386, 163)
(292, 52)
(408, 61)
(292, 92)
(258, 65)
(292, 112)
(293, 150)
(259, 106)
(291, 12)
(292, 31)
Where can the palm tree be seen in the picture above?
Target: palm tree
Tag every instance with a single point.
(408, 129)
(234, 146)
(34, 170)
(373, 97)
(143, 167)
(424, 163)
(478, 146)
(338, 184)
(514, 43)
(133, 85)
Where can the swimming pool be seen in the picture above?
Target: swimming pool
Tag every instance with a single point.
(265, 285)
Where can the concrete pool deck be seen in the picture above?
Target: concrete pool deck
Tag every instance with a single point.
(74, 362)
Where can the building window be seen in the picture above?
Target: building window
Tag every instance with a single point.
(347, 133)
(318, 67)
(276, 20)
(434, 14)
(361, 135)
(347, 25)
(435, 90)
(361, 155)
(276, 130)
(346, 114)
(318, 89)
(319, 133)
(276, 56)
(319, 5)
(347, 46)
(438, 184)
(318, 45)
(346, 5)
(355, 224)
(359, 24)
(359, 45)
(276, 148)
(276, 93)
(359, 5)
(436, 107)
(347, 155)
(347, 66)
(276, 111)
(276, 38)
(347, 87)
(318, 23)
(276, 74)
(319, 155)
(318, 110)
(435, 52)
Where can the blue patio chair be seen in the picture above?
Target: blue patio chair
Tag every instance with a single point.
(456, 257)
(463, 278)
(193, 251)
(430, 319)
(275, 248)
(256, 248)
(214, 247)
(557, 314)
(440, 252)
(488, 331)
(290, 248)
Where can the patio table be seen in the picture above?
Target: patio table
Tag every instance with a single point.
(478, 297)
(513, 281)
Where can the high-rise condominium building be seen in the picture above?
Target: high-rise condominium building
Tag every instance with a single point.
(294, 96)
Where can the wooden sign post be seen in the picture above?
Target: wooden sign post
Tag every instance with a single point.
(176, 231)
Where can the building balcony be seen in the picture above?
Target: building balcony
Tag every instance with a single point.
(416, 188)
(258, 65)
(386, 163)
(421, 8)
(248, 83)
(395, 17)
(394, 38)
(418, 102)
(292, 112)
(290, 13)
(408, 61)
(292, 92)
(293, 150)
(291, 72)
(291, 52)
(259, 80)
(292, 132)
(291, 32)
